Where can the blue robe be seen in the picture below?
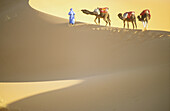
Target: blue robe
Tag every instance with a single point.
(71, 18)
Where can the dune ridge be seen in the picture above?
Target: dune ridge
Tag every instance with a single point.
(121, 69)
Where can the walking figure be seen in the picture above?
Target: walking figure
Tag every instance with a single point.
(71, 18)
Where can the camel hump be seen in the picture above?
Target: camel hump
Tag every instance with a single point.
(146, 11)
(97, 11)
(131, 13)
(104, 10)
(128, 14)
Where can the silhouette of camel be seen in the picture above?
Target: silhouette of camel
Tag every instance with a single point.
(144, 17)
(105, 16)
(131, 18)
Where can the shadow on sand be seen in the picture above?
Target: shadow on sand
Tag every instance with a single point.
(36, 49)
(119, 91)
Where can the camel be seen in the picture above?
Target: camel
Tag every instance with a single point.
(105, 16)
(144, 17)
(131, 18)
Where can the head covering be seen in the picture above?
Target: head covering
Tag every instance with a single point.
(71, 9)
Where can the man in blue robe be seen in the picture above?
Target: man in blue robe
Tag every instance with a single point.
(71, 18)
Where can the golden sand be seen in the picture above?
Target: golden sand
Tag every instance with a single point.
(160, 18)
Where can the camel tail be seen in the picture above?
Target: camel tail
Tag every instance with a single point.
(87, 12)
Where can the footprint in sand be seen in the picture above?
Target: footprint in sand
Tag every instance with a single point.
(7, 18)
(114, 30)
(135, 32)
(125, 30)
(110, 29)
(93, 29)
(102, 28)
(97, 28)
(161, 35)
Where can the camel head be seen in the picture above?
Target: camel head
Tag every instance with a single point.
(85, 11)
(139, 18)
(120, 16)
(88, 12)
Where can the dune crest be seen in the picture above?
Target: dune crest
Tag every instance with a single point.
(46, 65)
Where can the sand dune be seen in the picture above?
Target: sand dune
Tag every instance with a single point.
(121, 70)
(160, 19)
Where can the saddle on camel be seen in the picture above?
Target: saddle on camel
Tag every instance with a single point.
(144, 17)
(101, 11)
(104, 10)
(127, 15)
(146, 12)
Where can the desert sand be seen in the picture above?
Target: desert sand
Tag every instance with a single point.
(47, 65)
(160, 18)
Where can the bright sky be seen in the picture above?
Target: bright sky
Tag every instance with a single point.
(159, 10)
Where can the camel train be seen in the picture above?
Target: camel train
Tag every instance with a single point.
(144, 17)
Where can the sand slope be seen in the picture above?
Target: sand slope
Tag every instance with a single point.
(123, 70)
(160, 20)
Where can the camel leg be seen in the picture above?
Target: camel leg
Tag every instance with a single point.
(95, 20)
(108, 18)
(128, 25)
(99, 21)
(143, 23)
(124, 23)
(133, 24)
(146, 25)
(105, 21)
(109, 23)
